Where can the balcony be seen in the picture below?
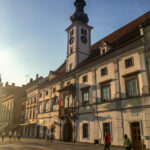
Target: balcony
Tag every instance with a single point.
(66, 113)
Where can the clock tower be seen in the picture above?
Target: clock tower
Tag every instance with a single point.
(79, 37)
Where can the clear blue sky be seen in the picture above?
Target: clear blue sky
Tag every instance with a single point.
(32, 32)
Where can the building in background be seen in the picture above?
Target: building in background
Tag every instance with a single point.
(8, 107)
(31, 108)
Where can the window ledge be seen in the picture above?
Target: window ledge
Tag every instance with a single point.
(105, 82)
(131, 74)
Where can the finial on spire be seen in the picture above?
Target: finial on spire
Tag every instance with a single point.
(79, 14)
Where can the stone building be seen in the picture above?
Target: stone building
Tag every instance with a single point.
(31, 108)
(9, 118)
(100, 88)
(104, 87)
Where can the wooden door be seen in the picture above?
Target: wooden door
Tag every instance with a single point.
(136, 136)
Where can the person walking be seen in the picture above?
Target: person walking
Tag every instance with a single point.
(51, 137)
(19, 136)
(3, 136)
(10, 136)
(15, 136)
(127, 143)
(107, 141)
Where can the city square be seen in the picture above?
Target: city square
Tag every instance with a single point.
(34, 144)
(95, 94)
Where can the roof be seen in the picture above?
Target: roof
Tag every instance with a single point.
(61, 69)
(113, 37)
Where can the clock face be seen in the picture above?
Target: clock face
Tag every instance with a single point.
(71, 40)
(83, 39)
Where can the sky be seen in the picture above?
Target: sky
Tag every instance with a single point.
(33, 39)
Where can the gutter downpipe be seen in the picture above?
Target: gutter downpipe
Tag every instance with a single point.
(118, 70)
(97, 107)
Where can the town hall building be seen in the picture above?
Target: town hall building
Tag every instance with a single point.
(104, 87)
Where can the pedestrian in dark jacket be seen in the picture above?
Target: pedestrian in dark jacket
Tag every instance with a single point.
(107, 139)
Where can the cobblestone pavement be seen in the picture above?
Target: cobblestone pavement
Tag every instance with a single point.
(38, 144)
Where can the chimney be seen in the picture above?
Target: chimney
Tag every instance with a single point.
(13, 84)
(31, 80)
(37, 76)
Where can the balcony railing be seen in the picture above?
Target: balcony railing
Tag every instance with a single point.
(66, 112)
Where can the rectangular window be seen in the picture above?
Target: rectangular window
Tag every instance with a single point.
(71, 32)
(85, 130)
(104, 71)
(85, 97)
(40, 95)
(85, 79)
(83, 31)
(33, 114)
(54, 90)
(70, 67)
(131, 88)
(71, 50)
(34, 99)
(44, 107)
(66, 102)
(40, 110)
(46, 93)
(106, 129)
(129, 62)
(47, 106)
(105, 93)
(70, 101)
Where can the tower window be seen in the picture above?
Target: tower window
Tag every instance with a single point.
(71, 50)
(83, 31)
(71, 32)
(70, 67)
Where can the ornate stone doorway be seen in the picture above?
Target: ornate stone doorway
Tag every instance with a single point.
(67, 131)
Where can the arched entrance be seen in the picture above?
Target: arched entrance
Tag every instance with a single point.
(67, 131)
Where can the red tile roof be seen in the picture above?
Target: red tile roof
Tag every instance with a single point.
(113, 37)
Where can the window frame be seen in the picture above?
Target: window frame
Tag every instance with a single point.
(104, 86)
(86, 135)
(135, 77)
(131, 58)
(85, 90)
(85, 78)
(102, 73)
(46, 92)
(110, 128)
(70, 66)
(54, 89)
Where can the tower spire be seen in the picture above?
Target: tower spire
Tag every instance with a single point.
(79, 14)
